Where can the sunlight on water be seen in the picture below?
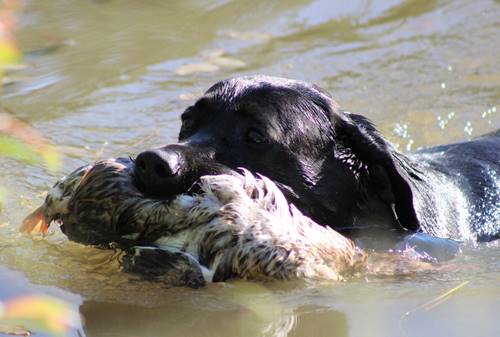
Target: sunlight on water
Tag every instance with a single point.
(107, 78)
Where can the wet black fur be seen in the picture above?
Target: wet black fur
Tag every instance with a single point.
(333, 165)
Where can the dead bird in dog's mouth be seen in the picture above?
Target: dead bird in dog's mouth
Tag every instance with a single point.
(233, 225)
(96, 204)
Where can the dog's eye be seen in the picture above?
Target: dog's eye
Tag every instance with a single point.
(255, 137)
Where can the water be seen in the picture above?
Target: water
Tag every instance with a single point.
(107, 78)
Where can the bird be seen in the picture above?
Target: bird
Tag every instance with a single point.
(232, 226)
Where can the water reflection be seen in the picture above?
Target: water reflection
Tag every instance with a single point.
(55, 309)
(108, 319)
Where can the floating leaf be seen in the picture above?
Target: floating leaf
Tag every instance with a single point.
(214, 60)
(22, 142)
(13, 148)
(203, 67)
(253, 36)
(3, 197)
(227, 62)
(38, 313)
(9, 54)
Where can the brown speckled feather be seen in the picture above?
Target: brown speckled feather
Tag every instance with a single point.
(238, 226)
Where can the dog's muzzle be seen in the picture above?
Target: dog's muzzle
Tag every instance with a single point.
(159, 172)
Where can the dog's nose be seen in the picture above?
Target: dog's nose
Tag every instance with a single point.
(158, 164)
(157, 170)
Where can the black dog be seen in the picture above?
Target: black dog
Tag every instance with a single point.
(333, 165)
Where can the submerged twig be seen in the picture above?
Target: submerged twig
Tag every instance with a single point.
(429, 305)
(436, 301)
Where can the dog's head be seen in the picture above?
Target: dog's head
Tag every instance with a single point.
(328, 162)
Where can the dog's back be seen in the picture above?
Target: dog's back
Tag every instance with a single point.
(468, 176)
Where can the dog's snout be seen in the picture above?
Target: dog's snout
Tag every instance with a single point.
(158, 164)
(174, 169)
(157, 170)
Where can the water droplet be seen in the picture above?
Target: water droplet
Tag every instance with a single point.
(443, 85)
(450, 68)
(408, 146)
(468, 128)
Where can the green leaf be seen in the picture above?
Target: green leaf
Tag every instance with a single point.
(18, 150)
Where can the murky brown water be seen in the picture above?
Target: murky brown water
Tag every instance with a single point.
(107, 78)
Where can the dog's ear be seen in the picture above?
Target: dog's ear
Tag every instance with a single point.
(389, 171)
